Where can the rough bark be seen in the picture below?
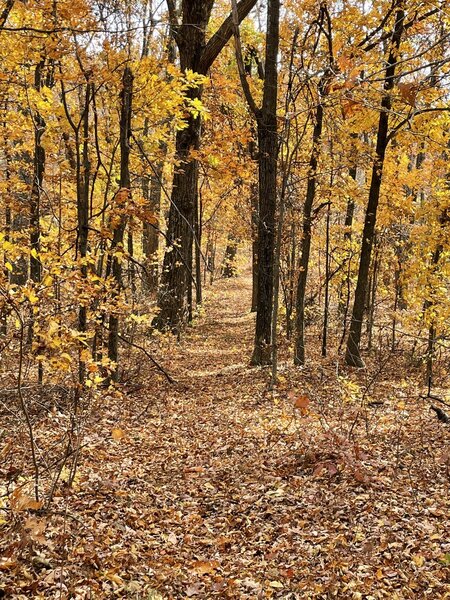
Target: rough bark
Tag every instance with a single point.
(299, 357)
(229, 259)
(83, 185)
(353, 354)
(267, 170)
(117, 241)
(198, 56)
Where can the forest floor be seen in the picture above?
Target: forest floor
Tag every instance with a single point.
(335, 486)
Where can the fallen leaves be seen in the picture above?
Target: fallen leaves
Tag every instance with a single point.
(20, 501)
(214, 495)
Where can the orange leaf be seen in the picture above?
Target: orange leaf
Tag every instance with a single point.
(20, 501)
(302, 402)
(205, 567)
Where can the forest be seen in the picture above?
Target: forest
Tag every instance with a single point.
(225, 299)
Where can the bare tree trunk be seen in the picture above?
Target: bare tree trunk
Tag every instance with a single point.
(35, 199)
(83, 185)
(229, 259)
(326, 308)
(198, 56)
(267, 163)
(125, 190)
(353, 354)
(299, 358)
(432, 328)
(198, 248)
(255, 218)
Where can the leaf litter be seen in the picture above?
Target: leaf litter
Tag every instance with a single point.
(222, 488)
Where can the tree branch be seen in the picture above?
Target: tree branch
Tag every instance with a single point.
(223, 35)
(240, 61)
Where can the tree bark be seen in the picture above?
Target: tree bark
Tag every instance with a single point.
(299, 357)
(125, 185)
(353, 354)
(267, 169)
(198, 56)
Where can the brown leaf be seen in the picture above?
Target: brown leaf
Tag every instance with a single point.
(408, 92)
(302, 402)
(172, 538)
(36, 528)
(20, 501)
(7, 563)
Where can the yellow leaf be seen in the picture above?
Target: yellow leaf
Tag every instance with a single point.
(33, 253)
(418, 560)
(113, 577)
(117, 434)
(8, 265)
(276, 584)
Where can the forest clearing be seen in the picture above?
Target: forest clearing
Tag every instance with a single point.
(224, 299)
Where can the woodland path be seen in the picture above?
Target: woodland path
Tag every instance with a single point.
(217, 489)
(225, 494)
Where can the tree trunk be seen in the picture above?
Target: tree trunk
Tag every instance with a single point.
(299, 358)
(267, 163)
(326, 307)
(353, 354)
(35, 201)
(83, 184)
(198, 56)
(198, 248)
(254, 204)
(124, 192)
(229, 259)
(151, 191)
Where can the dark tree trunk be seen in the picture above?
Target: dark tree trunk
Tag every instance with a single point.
(177, 272)
(372, 295)
(432, 328)
(198, 248)
(125, 185)
(353, 354)
(229, 259)
(326, 308)
(83, 185)
(35, 199)
(254, 204)
(267, 164)
(151, 189)
(198, 56)
(299, 358)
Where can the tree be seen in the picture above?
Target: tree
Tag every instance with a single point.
(352, 354)
(196, 55)
(267, 155)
